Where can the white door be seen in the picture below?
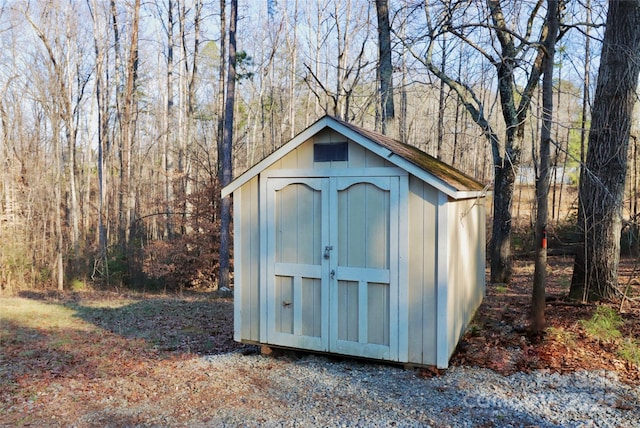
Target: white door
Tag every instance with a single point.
(332, 264)
(364, 268)
(297, 294)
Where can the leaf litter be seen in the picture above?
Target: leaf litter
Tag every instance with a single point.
(89, 351)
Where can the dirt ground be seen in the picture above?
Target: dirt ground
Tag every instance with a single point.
(498, 339)
(60, 352)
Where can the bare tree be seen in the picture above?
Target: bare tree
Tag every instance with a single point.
(149, 130)
(293, 50)
(189, 108)
(128, 119)
(515, 52)
(586, 83)
(221, 82)
(64, 97)
(227, 173)
(167, 155)
(542, 182)
(595, 271)
(337, 92)
(385, 67)
(101, 88)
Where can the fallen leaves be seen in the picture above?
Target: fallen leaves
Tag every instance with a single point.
(498, 338)
(96, 353)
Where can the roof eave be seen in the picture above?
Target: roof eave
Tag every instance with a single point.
(273, 157)
(403, 163)
(351, 134)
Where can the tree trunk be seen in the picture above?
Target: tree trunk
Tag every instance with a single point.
(221, 80)
(59, 253)
(128, 129)
(385, 68)
(292, 73)
(441, 102)
(167, 162)
(586, 83)
(542, 184)
(103, 129)
(500, 246)
(403, 130)
(506, 158)
(225, 218)
(595, 272)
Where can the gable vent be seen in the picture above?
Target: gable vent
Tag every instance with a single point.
(327, 152)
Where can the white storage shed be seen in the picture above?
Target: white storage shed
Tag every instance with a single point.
(349, 242)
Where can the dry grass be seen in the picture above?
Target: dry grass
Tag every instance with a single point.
(60, 353)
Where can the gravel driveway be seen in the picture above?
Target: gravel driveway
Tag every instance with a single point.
(267, 391)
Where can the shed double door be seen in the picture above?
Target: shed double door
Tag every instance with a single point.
(332, 264)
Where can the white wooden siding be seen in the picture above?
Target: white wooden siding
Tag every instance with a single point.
(363, 254)
(302, 156)
(421, 314)
(466, 265)
(247, 262)
(443, 282)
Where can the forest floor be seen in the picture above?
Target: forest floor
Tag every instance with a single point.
(63, 354)
(578, 336)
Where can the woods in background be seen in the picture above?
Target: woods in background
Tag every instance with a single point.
(112, 116)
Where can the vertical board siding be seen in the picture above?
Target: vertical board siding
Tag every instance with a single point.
(284, 304)
(402, 267)
(417, 321)
(305, 156)
(295, 211)
(247, 261)
(307, 228)
(416, 287)
(376, 217)
(311, 296)
(366, 228)
(444, 279)
(422, 270)
(430, 278)
(466, 264)
(302, 156)
(357, 155)
(298, 225)
(238, 258)
(363, 226)
(373, 160)
(351, 227)
(456, 292)
(481, 250)
(309, 212)
(348, 310)
(378, 313)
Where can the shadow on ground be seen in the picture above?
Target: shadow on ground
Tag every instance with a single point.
(198, 324)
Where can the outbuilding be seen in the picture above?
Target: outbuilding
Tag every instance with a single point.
(349, 242)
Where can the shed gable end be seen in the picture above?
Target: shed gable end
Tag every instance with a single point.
(304, 156)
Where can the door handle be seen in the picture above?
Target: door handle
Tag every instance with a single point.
(326, 251)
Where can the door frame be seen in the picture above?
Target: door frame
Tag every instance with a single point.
(399, 340)
(295, 340)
